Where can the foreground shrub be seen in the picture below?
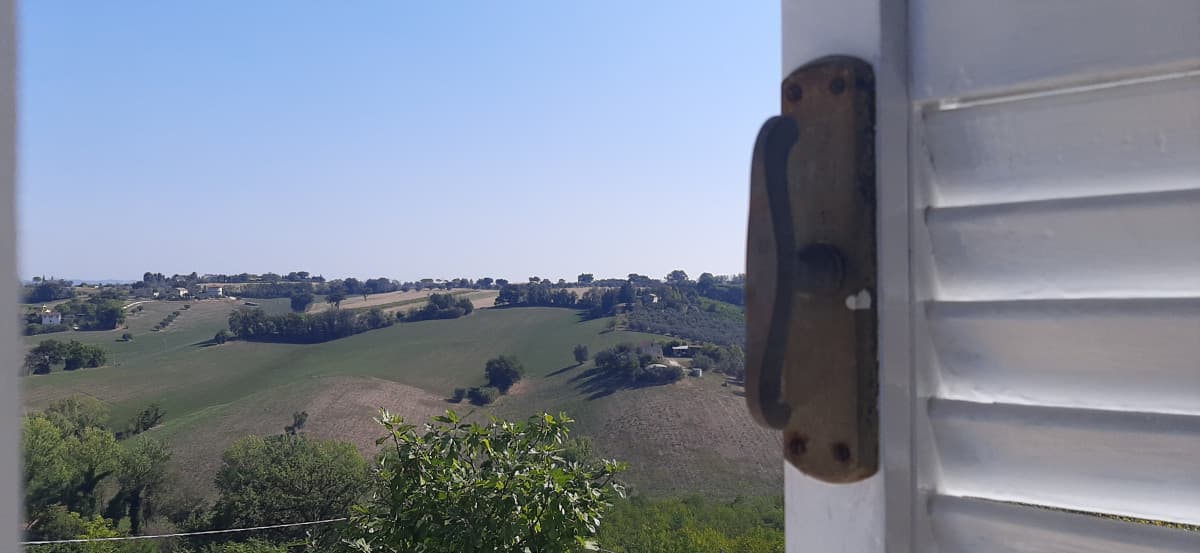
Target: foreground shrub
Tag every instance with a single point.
(452, 487)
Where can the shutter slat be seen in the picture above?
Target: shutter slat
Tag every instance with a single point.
(1136, 464)
(1110, 246)
(1124, 354)
(1126, 139)
(965, 525)
(972, 47)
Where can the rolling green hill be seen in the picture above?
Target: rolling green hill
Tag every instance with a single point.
(690, 437)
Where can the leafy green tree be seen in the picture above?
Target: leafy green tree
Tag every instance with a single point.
(95, 455)
(142, 474)
(287, 478)
(76, 355)
(44, 356)
(76, 413)
(581, 353)
(627, 293)
(504, 371)
(109, 316)
(585, 278)
(221, 336)
(300, 302)
(500, 487)
(335, 299)
(49, 471)
(678, 276)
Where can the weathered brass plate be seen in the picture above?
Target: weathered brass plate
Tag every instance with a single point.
(811, 321)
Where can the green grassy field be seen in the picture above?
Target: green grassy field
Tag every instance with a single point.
(693, 436)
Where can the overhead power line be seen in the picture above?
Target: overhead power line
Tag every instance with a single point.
(206, 532)
(183, 534)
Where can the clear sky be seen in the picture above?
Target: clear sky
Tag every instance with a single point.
(401, 139)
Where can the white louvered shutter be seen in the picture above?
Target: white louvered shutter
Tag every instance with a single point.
(1056, 181)
(1039, 253)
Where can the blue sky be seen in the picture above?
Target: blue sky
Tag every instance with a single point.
(405, 139)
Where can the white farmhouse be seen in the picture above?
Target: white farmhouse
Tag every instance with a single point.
(51, 317)
(211, 291)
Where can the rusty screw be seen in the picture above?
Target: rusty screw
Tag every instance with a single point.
(841, 452)
(837, 86)
(793, 93)
(798, 445)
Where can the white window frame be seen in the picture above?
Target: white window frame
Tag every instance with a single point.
(10, 385)
(881, 513)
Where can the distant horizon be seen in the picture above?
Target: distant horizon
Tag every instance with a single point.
(692, 276)
(390, 139)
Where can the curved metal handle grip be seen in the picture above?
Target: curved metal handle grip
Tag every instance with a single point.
(769, 173)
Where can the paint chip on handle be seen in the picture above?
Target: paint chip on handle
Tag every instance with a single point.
(861, 300)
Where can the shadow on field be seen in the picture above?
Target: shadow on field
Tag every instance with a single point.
(557, 372)
(598, 384)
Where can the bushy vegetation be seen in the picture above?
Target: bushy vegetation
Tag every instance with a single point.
(71, 459)
(441, 306)
(33, 329)
(448, 485)
(626, 363)
(287, 478)
(454, 487)
(170, 318)
(97, 312)
(145, 420)
(483, 395)
(694, 525)
(301, 301)
(728, 360)
(689, 321)
(270, 290)
(503, 371)
(43, 291)
(73, 355)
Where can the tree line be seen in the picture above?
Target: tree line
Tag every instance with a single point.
(255, 325)
(44, 291)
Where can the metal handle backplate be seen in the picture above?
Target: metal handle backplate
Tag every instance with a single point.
(811, 359)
